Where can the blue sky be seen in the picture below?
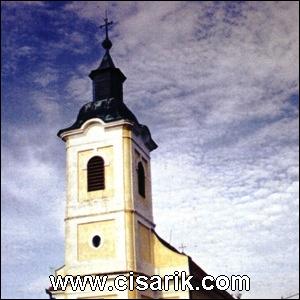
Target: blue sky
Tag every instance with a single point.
(217, 84)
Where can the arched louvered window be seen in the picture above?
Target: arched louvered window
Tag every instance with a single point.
(141, 179)
(95, 174)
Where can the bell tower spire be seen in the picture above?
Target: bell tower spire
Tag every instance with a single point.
(107, 79)
(106, 44)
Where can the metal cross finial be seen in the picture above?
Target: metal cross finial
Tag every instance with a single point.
(182, 247)
(106, 24)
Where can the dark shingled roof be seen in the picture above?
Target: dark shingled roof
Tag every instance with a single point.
(106, 62)
(110, 110)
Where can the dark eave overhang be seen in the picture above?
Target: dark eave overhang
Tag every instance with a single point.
(111, 110)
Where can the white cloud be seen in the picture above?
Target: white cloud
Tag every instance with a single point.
(46, 76)
(80, 89)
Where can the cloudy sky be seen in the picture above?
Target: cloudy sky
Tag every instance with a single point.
(217, 84)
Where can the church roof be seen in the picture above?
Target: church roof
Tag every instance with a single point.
(111, 110)
(107, 61)
(198, 274)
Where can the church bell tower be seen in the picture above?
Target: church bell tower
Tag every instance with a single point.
(108, 181)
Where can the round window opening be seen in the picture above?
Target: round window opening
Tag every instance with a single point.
(96, 241)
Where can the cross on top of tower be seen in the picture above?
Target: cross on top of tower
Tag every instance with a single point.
(182, 247)
(106, 44)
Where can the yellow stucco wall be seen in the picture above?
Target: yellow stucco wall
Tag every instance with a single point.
(165, 257)
(83, 157)
(153, 251)
(145, 245)
(127, 167)
(85, 232)
(102, 297)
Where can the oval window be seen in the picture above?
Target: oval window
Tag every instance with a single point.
(96, 241)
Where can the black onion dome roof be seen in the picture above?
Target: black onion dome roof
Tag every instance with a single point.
(111, 110)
